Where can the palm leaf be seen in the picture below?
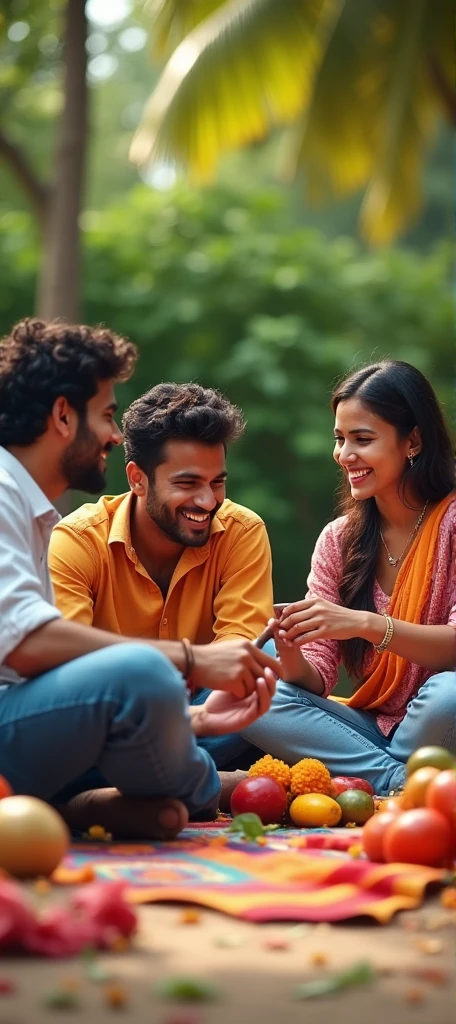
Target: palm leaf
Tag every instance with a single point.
(247, 67)
(173, 20)
(408, 111)
(332, 143)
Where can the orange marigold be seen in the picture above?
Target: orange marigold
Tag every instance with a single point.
(273, 769)
(310, 776)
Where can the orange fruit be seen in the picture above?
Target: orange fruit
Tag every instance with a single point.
(438, 757)
(414, 794)
(314, 810)
(391, 803)
(357, 806)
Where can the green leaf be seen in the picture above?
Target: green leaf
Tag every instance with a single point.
(362, 973)
(187, 990)
(248, 824)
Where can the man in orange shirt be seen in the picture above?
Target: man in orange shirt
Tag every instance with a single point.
(172, 558)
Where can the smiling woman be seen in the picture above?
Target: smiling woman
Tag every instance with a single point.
(382, 592)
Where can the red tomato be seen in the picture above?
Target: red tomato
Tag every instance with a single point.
(421, 836)
(5, 788)
(373, 836)
(340, 783)
(441, 795)
(260, 795)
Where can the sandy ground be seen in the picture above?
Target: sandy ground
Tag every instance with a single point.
(254, 983)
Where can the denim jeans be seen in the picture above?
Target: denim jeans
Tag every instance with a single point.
(120, 712)
(348, 740)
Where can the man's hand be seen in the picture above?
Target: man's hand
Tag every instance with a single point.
(223, 713)
(234, 666)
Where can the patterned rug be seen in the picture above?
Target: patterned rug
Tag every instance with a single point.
(291, 875)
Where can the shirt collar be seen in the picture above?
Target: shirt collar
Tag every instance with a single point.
(39, 503)
(120, 524)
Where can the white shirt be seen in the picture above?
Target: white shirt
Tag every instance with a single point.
(26, 522)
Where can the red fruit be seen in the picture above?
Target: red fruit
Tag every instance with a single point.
(441, 795)
(5, 788)
(374, 832)
(260, 795)
(340, 783)
(420, 836)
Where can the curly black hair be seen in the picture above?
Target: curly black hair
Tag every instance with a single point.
(40, 362)
(177, 412)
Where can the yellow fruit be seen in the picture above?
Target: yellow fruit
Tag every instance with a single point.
(272, 768)
(310, 776)
(414, 794)
(33, 837)
(313, 810)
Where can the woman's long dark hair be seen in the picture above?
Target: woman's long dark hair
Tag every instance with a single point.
(401, 395)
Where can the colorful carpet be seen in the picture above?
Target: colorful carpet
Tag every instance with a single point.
(294, 875)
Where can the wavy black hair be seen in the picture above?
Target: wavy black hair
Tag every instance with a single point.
(401, 395)
(40, 362)
(182, 412)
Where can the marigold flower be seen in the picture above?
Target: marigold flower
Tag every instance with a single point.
(310, 776)
(273, 769)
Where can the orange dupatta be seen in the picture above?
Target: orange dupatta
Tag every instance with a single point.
(408, 599)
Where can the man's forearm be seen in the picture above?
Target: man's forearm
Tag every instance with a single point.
(61, 640)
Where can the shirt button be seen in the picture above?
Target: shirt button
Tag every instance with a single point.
(164, 622)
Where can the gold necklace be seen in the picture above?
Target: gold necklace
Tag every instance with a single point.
(395, 561)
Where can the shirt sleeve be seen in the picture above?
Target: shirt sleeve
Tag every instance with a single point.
(244, 602)
(72, 569)
(23, 607)
(323, 581)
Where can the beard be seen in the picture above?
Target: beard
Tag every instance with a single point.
(81, 461)
(168, 522)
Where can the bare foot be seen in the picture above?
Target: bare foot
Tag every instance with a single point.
(229, 781)
(127, 817)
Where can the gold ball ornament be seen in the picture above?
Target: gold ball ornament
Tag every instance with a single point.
(33, 837)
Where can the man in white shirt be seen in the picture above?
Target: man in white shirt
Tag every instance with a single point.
(74, 697)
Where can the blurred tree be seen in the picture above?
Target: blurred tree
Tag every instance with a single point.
(57, 201)
(364, 84)
(223, 288)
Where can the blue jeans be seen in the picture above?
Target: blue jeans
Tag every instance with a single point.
(123, 711)
(299, 724)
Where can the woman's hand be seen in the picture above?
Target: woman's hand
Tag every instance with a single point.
(222, 712)
(317, 619)
(294, 665)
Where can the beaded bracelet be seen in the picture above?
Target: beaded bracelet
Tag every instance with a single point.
(388, 635)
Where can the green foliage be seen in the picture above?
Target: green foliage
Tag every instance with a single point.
(220, 287)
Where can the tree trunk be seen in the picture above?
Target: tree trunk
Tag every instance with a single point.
(58, 291)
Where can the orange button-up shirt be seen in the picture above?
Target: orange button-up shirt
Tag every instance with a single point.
(220, 591)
